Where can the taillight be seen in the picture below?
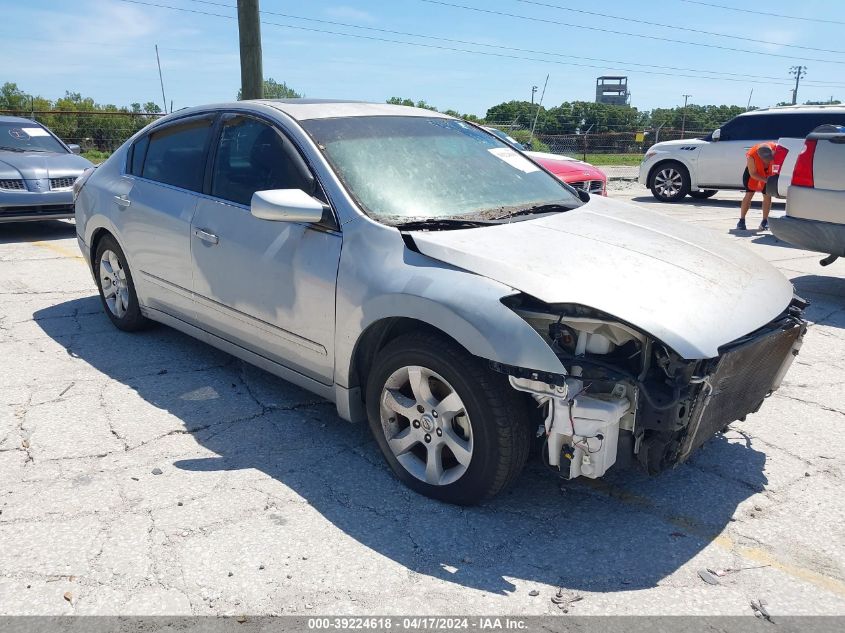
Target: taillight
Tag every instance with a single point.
(802, 176)
(780, 156)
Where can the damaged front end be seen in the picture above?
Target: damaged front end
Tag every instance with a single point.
(627, 398)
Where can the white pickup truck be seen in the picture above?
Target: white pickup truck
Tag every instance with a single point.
(815, 196)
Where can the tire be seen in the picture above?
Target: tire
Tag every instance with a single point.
(703, 194)
(670, 182)
(480, 438)
(117, 289)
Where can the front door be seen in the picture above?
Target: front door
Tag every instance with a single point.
(267, 286)
(722, 163)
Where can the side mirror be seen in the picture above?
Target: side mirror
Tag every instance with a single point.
(74, 148)
(286, 205)
(717, 134)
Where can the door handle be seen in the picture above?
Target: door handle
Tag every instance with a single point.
(122, 201)
(205, 236)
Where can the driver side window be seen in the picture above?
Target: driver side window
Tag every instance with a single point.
(251, 157)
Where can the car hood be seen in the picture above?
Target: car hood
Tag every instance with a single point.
(35, 165)
(685, 286)
(686, 142)
(569, 169)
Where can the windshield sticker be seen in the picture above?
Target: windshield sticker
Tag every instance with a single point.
(16, 132)
(36, 131)
(514, 159)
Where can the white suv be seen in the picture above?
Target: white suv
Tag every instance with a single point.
(699, 167)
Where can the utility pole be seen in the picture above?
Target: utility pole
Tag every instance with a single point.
(249, 30)
(798, 72)
(537, 114)
(161, 81)
(533, 92)
(684, 116)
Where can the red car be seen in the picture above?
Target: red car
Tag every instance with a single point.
(573, 172)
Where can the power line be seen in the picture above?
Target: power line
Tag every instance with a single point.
(767, 13)
(677, 27)
(502, 47)
(614, 32)
(739, 77)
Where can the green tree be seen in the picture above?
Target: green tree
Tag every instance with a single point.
(13, 98)
(276, 90)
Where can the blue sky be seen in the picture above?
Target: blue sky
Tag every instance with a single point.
(104, 49)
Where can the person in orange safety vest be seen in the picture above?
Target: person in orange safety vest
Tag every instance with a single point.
(758, 169)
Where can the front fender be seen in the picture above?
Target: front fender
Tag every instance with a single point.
(673, 157)
(463, 305)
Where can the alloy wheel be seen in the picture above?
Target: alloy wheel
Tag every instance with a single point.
(426, 425)
(114, 284)
(668, 182)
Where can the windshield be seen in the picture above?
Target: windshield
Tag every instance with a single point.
(28, 136)
(403, 168)
(497, 132)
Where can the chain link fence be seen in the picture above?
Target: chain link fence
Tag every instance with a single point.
(92, 131)
(106, 131)
(611, 142)
(623, 142)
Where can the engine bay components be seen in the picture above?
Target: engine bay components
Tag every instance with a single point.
(621, 383)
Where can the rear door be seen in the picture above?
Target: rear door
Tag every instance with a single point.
(722, 163)
(266, 286)
(165, 173)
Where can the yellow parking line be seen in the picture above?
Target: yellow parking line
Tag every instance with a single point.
(59, 250)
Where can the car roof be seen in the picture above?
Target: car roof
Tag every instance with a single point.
(306, 109)
(796, 109)
(17, 119)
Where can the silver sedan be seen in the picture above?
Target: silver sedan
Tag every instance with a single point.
(37, 172)
(436, 282)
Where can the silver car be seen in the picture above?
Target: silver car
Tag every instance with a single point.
(37, 172)
(424, 276)
(815, 198)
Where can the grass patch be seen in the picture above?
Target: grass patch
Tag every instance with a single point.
(614, 160)
(95, 155)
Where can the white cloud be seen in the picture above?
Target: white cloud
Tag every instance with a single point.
(349, 13)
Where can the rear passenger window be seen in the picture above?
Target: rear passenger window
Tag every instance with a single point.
(139, 150)
(251, 157)
(176, 154)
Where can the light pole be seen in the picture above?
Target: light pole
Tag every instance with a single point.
(533, 92)
(684, 116)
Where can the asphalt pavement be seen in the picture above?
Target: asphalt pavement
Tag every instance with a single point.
(151, 474)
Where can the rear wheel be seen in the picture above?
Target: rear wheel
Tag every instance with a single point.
(117, 290)
(703, 194)
(448, 426)
(670, 182)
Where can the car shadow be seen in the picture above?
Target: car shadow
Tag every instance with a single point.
(826, 295)
(12, 232)
(768, 239)
(624, 533)
(714, 202)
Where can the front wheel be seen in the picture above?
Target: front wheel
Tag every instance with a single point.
(670, 182)
(703, 194)
(449, 427)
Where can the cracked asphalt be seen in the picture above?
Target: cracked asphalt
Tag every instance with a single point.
(267, 503)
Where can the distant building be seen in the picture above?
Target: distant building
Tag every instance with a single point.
(612, 90)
